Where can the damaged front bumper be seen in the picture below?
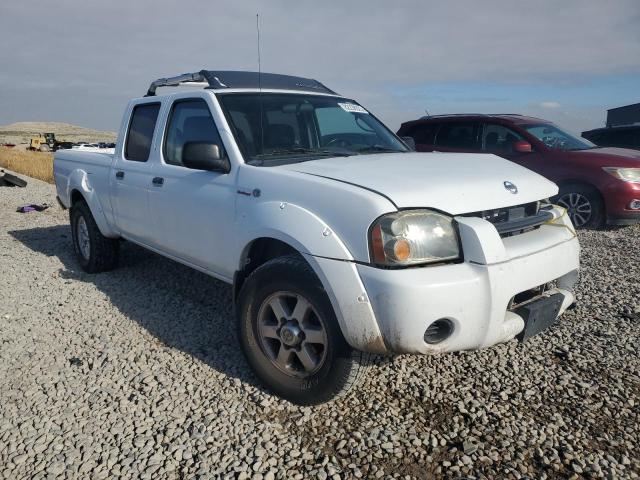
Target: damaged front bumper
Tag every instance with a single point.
(475, 299)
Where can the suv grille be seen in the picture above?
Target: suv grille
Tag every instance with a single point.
(510, 221)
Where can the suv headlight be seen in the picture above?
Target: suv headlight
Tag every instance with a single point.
(624, 174)
(413, 237)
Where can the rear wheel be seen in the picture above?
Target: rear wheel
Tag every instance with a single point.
(584, 205)
(95, 252)
(290, 334)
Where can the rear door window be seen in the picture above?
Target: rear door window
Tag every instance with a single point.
(140, 134)
(424, 134)
(459, 135)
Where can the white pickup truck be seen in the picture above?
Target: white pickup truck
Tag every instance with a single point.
(340, 241)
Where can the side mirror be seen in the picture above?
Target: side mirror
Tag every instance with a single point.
(204, 156)
(409, 142)
(522, 146)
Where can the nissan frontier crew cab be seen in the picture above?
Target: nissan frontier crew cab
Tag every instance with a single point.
(339, 241)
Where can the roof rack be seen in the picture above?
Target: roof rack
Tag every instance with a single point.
(454, 115)
(424, 117)
(238, 79)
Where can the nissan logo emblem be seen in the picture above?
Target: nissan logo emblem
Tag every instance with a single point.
(510, 187)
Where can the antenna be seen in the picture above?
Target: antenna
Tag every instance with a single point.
(427, 112)
(260, 86)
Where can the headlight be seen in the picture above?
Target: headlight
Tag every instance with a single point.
(624, 174)
(413, 237)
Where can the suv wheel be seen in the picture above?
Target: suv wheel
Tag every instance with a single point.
(291, 337)
(583, 204)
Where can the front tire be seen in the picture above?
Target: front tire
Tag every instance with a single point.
(291, 337)
(584, 206)
(95, 252)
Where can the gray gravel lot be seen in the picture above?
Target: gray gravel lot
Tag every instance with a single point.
(137, 373)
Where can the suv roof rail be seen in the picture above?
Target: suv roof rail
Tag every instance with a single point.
(240, 79)
(425, 117)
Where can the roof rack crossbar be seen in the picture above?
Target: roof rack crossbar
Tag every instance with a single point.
(185, 78)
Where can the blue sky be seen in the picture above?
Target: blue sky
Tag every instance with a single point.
(567, 61)
(578, 103)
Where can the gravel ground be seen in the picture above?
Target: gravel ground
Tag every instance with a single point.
(137, 373)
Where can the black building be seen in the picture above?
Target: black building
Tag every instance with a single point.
(627, 115)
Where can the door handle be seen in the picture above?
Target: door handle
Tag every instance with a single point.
(158, 181)
(120, 175)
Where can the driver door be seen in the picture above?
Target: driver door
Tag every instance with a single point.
(499, 140)
(193, 210)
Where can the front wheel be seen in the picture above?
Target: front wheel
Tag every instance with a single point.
(583, 204)
(291, 337)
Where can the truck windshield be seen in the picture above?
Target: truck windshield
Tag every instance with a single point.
(557, 139)
(283, 128)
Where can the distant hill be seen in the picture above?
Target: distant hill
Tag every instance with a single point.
(21, 132)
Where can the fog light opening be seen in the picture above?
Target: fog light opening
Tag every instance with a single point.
(438, 331)
(634, 205)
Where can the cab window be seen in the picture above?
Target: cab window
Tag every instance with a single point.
(189, 121)
(140, 134)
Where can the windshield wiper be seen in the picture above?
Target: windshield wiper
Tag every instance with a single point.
(379, 148)
(293, 151)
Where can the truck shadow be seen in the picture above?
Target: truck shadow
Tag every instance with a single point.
(183, 308)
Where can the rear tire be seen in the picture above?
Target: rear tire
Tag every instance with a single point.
(95, 252)
(584, 205)
(290, 335)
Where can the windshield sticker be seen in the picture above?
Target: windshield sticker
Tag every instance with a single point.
(352, 108)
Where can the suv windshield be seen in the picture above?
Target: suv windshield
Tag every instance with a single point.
(557, 139)
(287, 128)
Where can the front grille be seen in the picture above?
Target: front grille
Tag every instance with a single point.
(510, 221)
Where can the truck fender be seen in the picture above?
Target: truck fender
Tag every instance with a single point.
(80, 181)
(330, 259)
(294, 225)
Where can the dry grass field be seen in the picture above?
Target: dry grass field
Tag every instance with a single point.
(36, 164)
(20, 132)
(33, 164)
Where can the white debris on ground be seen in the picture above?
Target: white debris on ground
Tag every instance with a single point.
(137, 373)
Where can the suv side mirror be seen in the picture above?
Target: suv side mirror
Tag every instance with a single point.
(409, 142)
(204, 156)
(522, 146)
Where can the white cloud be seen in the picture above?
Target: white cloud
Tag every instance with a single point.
(550, 105)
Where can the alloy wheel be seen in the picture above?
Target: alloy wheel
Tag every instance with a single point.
(292, 334)
(578, 207)
(82, 235)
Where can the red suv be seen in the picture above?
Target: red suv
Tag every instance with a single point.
(597, 185)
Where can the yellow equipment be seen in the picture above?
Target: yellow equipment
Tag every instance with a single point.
(43, 142)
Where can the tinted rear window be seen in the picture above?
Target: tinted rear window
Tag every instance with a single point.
(459, 135)
(423, 134)
(140, 135)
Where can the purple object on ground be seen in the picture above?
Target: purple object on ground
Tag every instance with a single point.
(31, 207)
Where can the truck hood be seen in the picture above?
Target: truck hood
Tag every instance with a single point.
(454, 183)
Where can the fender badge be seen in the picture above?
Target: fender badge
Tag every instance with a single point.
(510, 187)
